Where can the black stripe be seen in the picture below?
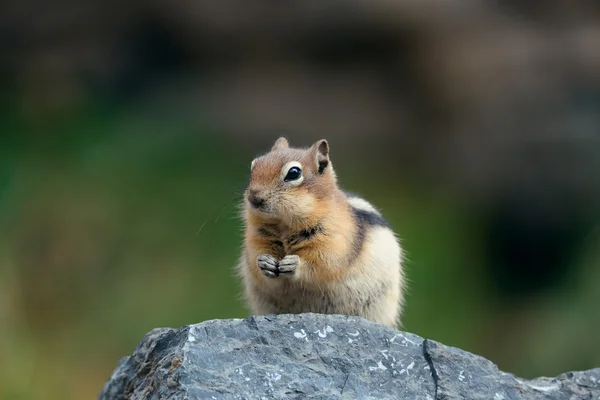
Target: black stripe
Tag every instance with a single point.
(364, 220)
(264, 232)
(306, 234)
(359, 239)
(269, 230)
(369, 218)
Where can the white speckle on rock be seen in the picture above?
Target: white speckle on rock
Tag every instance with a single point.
(498, 396)
(350, 340)
(383, 353)
(353, 334)
(270, 378)
(549, 388)
(327, 329)
(273, 377)
(379, 366)
(408, 368)
(405, 340)
(300, 335)
(191, 336)
(461, 377)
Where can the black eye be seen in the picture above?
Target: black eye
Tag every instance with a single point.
(293, 174)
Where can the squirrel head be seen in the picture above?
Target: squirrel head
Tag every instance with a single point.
(290, 184)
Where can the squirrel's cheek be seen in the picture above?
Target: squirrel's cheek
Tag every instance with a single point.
(307, 205)
(296, 204)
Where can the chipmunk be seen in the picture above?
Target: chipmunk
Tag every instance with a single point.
(311, 247)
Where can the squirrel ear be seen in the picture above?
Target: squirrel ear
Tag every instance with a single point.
(321, 149)
(280, 143)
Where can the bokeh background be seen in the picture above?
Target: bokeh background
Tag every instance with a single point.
(127, 130)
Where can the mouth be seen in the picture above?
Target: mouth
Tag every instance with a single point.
(263, 209)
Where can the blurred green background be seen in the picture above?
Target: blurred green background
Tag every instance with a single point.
(127, 131)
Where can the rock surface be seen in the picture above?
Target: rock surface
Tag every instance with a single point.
(319, 357)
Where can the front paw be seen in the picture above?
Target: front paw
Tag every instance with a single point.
(268, 265)
(288, 265)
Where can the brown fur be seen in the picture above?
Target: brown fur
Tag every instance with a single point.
(314, 221)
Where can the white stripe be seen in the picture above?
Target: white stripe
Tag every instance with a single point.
(362, 204)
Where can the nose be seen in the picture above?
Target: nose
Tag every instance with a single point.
(255, 198)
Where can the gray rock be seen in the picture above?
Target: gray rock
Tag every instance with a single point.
(319, 357)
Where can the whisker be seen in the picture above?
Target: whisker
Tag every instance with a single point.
(226, 206)
(197, 233)
(237, 196)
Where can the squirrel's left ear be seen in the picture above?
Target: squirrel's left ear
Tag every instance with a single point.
(321, 152)
(280, 143)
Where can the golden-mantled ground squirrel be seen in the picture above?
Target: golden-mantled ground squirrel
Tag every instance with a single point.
(310, 247)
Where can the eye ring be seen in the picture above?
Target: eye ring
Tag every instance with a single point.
(293, 174)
